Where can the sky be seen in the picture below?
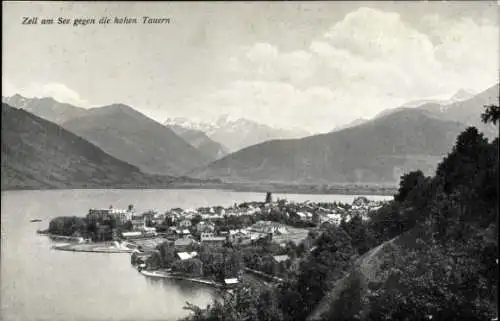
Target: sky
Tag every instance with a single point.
(311, 65)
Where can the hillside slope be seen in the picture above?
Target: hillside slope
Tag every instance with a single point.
(377, 151)
(130, 136)
(38, 154)
(200, 141)
(371, 268)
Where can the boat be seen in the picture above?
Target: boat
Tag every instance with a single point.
(35, 220)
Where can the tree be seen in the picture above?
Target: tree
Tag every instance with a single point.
(407, 183)
(325, 265)
(195, 220)
(441, 280)
(68, 225)
(192, 267)
(128, 226)
(491, 114)
(167, 254)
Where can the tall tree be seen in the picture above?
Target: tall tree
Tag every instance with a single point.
(491, 114)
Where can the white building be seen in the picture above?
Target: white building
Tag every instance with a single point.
(121, 215)
(186, 255)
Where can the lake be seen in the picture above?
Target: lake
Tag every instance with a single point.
(39, 283)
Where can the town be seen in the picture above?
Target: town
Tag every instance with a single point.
(213, 245)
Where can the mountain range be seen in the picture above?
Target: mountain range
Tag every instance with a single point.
(378, 150)
(38, 154)
(460, 95)
(131, 136)
(200, 141)
(468, 111)
(236, 134)
(46, 107)
(122, 132)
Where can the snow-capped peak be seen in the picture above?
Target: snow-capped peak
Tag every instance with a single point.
(462, 94)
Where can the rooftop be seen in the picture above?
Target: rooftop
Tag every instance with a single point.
(186, 255)
(231, 281)
(281, 258)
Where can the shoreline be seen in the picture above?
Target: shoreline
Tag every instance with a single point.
(311, 189)
(166, 275)
(91, 248)
(60, 237)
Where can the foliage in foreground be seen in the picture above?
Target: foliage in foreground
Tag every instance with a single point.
(447, 232)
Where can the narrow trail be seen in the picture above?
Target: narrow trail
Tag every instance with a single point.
(362, 263)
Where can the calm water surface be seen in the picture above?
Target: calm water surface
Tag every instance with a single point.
(38, 283)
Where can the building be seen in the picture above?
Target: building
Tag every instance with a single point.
(182, 233)
(185, 223)
(361, 201)
(158, 218)
(211, 240)
(334, 218)
(205, 227)
(206, 236)
(267, 227)
(99, 215)
(138, 223)
(131, 234)
(231, 282)
(186, 256)
(182, 245)
(239, 236)
(281, 258)
(148, 217)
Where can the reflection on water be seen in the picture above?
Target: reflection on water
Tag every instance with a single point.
(184, 287)
(40, 283)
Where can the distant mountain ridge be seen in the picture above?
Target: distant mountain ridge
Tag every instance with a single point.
(122, 132)
(354, 123)
(129, 135)
(237, 134)
(468, 111)
(460, 95)
(46, 107)
(375, 152)
(38, 154)
(200, 141)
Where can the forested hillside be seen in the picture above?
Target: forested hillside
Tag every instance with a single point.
(429, 253)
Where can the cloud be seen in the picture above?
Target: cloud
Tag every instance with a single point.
(8, 88)
(469, 51)
(280, 104)
(369, 61)
(58, 91)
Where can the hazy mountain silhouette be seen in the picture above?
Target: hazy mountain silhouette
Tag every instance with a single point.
(38, 154)
(376, 151)
(47, 108)
(200, 141)
(129, 135)
(237, 134)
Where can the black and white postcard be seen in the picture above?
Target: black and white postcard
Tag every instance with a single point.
(249, 161)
